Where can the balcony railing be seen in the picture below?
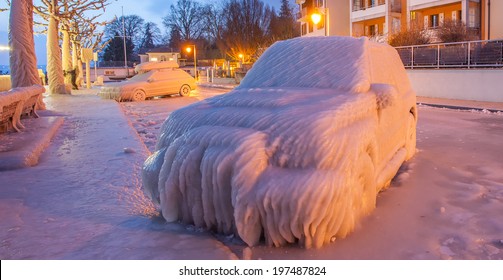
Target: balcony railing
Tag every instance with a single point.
(472, 54)
(359, 5)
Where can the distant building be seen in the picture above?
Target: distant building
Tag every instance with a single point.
(160, 54)
(384, 17)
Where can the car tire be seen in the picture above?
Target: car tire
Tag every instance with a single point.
(139, 95)
(366, 178)
(410, 141)
(185, 90)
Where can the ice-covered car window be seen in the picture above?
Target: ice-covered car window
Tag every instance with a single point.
(141, 77)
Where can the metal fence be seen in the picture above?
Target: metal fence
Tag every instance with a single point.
(472, 54)
(115, 64)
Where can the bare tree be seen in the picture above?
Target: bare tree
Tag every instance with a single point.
(214, 22)
(131, 25)
(245, 27)
(60, 14)
(188, 17)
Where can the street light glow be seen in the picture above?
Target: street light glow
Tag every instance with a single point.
(189, 49)
(316, 18)
(4, 48)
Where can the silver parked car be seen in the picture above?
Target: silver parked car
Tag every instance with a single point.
(154, 82)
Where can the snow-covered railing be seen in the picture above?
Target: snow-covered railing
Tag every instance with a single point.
(470, 54)
(16, 103)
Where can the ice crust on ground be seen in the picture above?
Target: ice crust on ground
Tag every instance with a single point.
(261, 160)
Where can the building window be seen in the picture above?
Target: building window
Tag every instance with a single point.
(310, 27)
(434, 21)
(372, 30)
(473, 18)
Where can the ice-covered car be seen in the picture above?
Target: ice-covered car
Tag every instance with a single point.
(155, 79)
(297, 152)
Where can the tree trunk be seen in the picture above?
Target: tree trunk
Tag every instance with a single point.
(54, 66)
(67, 58)
(23, 61)
(77, 64)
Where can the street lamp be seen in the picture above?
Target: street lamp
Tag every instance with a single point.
(4, 48)
(241, 56)
(189, 49)
(318, 14)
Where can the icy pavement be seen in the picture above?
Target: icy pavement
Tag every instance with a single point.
(83, 200)
(147, 116)
(446, 203)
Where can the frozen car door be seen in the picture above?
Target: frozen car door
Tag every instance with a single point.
(154, 85)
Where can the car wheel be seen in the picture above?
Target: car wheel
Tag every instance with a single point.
(410, 141)
(185, 90)
(139, 95)
(366, 179)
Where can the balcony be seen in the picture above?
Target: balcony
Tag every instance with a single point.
(370, 12)
(363, 5)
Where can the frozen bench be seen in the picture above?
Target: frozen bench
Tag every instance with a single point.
(17, 103)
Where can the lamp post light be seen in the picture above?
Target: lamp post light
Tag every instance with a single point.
(317, 15)
(4, 48)
(189, 49)
(241, 56)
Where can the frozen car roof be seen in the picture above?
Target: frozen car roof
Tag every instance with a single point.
(151, 65)
(316, 63)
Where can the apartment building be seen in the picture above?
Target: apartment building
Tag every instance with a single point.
(335, 17)
(384, 17)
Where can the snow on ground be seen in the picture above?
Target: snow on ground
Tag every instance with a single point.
(83, 200)
(147, 116)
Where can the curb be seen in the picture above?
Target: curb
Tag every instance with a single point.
(459, 107)
(25, 152)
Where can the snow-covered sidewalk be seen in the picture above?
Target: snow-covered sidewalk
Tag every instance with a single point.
(84, 199)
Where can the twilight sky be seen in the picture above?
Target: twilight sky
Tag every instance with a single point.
(149, 10)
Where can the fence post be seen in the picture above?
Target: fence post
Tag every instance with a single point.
(438, 56)
(469, 54)
(412, 57)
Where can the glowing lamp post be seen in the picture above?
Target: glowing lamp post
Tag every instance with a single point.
(189, 49)
(241, 59)
(316, 18)
(4, 48)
